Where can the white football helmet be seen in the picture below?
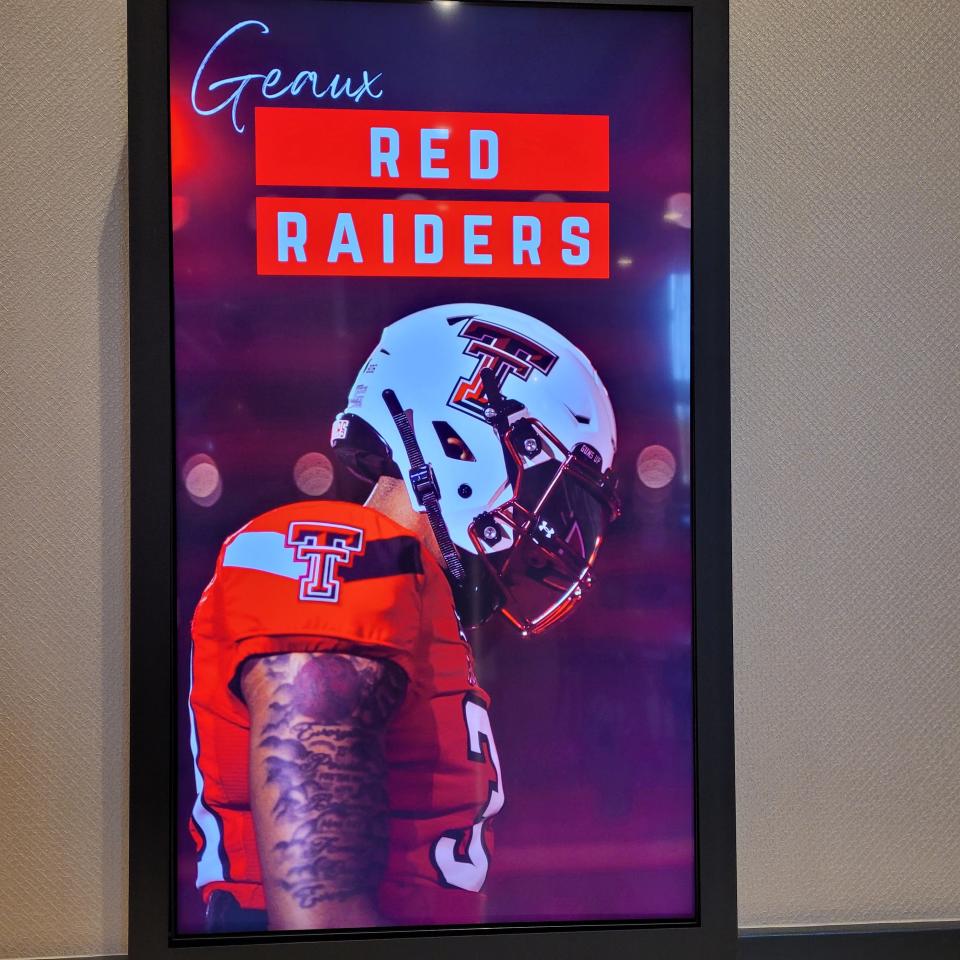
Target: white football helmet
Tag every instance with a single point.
(505, 437)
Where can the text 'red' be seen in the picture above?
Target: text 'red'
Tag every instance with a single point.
(298, 146)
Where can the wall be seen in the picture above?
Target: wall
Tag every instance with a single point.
(846, 394)
(846, 411)
(63, 488)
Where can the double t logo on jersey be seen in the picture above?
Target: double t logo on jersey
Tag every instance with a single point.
(502, 351)
(325, 547)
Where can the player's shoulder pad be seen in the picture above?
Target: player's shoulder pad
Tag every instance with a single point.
(313, 576)
(285, 540)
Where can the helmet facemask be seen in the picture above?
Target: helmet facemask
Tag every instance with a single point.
(539, 546)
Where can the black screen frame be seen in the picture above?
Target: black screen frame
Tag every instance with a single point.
(713, 934)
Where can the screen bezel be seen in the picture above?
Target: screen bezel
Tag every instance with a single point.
(153, 741)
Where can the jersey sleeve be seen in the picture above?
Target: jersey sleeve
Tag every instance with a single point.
(318, 576)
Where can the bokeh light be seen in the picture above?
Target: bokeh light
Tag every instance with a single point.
(656, 466)
(678, 210)
(201, 478)
(313, 474)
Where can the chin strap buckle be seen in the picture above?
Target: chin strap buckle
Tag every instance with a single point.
(424, 483)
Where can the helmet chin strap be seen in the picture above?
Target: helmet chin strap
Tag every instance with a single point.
(424, 483)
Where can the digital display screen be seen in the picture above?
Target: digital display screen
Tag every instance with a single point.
(431, 283)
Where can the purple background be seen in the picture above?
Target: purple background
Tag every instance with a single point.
(594, 722)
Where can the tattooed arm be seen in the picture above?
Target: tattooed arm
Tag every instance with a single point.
(318, 783)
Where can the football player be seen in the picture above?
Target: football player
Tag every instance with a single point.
(345, 763)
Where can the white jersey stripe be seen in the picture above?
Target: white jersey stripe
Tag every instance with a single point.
(265, 551)
(209, 866)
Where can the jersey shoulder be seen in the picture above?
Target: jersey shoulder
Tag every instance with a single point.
(316, 568)
(331, 532)
(350, 515)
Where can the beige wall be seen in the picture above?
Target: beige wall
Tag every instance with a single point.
(846, 403)
(846, 452)
(63, 488)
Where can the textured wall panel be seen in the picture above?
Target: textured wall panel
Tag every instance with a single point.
(63, 491)
(846, 351)
(846, 450)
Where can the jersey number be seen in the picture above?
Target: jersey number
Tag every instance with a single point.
(468, 870)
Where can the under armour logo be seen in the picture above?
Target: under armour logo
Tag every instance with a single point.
(325, 547)
(502, 351)
(546, 529)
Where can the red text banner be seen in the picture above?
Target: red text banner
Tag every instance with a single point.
(298, 146)
(413, 238)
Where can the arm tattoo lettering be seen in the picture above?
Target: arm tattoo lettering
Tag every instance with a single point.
(321, 760)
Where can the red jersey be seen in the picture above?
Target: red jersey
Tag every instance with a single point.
(323, 576)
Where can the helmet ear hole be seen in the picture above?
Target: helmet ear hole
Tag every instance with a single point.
(454, 446)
